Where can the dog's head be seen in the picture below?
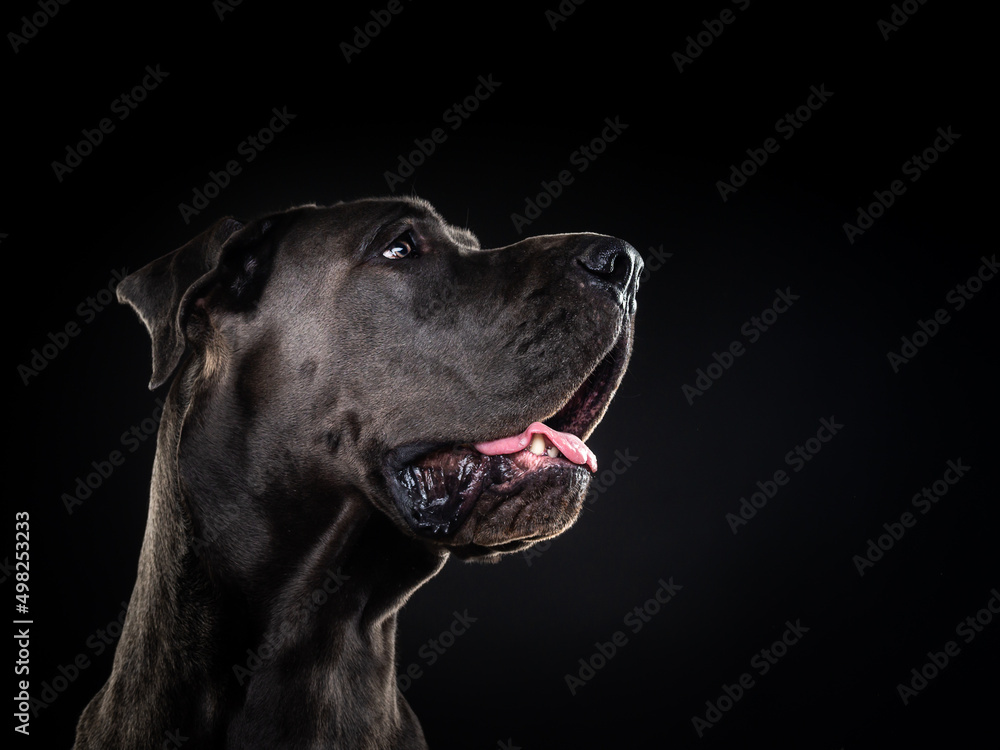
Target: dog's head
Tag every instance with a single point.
(370, 352)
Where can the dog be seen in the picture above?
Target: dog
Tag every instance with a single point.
(356, 393)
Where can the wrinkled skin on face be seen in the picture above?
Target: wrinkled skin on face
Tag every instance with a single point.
(375, 375)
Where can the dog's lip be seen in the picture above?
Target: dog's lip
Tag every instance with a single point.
(438, 487)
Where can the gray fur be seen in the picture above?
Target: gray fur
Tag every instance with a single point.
(300, 362)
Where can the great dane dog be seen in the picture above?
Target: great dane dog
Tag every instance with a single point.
(357, 392)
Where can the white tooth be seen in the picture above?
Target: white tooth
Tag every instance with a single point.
(537, 445)
(553, 452)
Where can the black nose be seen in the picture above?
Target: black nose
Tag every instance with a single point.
(611, 261)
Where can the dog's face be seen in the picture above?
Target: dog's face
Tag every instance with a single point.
(371, 351)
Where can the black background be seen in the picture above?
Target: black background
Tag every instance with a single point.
(655, 185)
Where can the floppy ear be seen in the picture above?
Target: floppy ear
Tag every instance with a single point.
(163, 292)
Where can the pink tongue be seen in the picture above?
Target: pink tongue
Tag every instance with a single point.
(569, 445)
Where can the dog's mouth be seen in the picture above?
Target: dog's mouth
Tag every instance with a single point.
(437, 487)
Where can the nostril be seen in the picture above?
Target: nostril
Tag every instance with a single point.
(610, 260)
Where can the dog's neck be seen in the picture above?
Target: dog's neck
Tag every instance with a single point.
(210, 656)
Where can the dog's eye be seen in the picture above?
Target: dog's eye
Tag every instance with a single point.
(402, 247)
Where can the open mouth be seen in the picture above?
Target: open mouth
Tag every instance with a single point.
(437, 486)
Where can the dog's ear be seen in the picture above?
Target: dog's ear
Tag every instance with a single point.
(164, 292)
